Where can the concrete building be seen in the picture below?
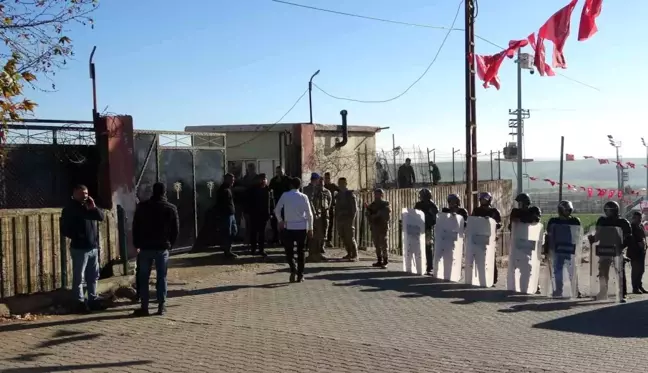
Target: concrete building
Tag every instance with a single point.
(301, 149)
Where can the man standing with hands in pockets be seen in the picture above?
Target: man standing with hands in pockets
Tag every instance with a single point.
(296, 225)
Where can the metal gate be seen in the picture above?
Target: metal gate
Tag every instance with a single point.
(191, 164)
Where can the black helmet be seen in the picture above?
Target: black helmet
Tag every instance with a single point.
(523, 198)
(485, 195)
(611, 208)
(425, 194)
(454, 198)
(566, 206)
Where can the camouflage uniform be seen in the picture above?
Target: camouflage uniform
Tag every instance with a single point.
(346, 208)
(320, 199)
(379, 215)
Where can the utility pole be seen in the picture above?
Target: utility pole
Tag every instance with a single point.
(310, 96)
(471, 107)
(621, 174)
(491, 164)
(643, 141)
(394, 150)
(499, 165)
(523, 62)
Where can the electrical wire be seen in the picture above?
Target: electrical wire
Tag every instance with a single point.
(452, 28)
(427, 69)
(270, 127)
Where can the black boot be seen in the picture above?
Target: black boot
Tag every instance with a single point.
(82, 308)
(161, 309)
(141, 312)
(379, 263)
(292, 277)
(384, 263)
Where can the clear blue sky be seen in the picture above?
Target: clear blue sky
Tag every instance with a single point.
(247, 61)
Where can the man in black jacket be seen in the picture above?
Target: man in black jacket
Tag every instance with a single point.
(225, 215)
(637, 253)
(258, 210)
(80, 224)
(430, 211)
(279, 184)
(155, 230)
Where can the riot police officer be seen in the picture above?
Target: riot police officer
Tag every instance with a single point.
(430, 210)
(454, 207)
(486, 210)
(565, 217)
(379, 215)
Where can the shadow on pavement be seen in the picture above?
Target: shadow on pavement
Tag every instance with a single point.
(312, 268)
(220, 289)
(28, 357)
(65, 368)
(413, 286)
(553, 306)
(61, 341)
(620, 321)
(218, 259)
(13, 327)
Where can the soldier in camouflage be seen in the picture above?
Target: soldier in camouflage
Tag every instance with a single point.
(379, 214)
(345, 214)
(320, 199)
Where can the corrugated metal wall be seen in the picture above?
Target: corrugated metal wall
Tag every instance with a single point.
(32, 251)
(406, 198)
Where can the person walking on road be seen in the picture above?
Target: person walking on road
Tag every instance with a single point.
(155, 230)
(379, 215)
(258, 211)
(296, 226)
(320, 199)
(345, 215)
(80, 219)
(225, 213)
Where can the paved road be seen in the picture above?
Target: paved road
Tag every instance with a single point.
(347, 317)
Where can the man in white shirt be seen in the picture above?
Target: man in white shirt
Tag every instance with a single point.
(296, 225)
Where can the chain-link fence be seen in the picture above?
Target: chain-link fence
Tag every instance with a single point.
(42, 160)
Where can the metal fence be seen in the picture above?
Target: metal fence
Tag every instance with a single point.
(42, 159)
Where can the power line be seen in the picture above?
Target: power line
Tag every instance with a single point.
(270, 127)
(450, 29)
(436, 56)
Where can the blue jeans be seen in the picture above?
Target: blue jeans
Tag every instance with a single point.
(228, 229)
(146, 259)
(85, 264)
(559, 261)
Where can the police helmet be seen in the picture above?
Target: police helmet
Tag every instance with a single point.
(523, 198)
(611, 207)
(566, 206)
(454, 198)
(425, 194)
(485, 196)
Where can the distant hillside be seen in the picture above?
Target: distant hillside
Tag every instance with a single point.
(587, 173)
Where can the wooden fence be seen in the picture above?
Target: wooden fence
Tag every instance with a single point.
(406, 198)
(34, 256)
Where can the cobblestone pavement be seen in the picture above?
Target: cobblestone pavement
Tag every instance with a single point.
(346, 317)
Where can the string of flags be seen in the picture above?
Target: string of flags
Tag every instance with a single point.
(620, 164)
(556, 29)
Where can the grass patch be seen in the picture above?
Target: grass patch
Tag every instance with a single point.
(587, 220)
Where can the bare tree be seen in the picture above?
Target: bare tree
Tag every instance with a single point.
(35, 44)
(336, 161)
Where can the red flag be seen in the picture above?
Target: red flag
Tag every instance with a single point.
(550, 182)
(591, 11)
(533, 178)
(611, 194)
(584, 189)
(539, 58)
(590, 192)
(631, 164)
(569, 157)
(619, 164)
(646, 165)
(601, 192)
(569, 187)
(557, 29)
(488, 66)
(620, 194)
(603, 161)
(588, 157)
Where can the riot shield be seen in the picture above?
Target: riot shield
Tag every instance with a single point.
(565, 243)
(524, 257)
(479, 267)
(448, 246)
(413, 241)
(606, 264)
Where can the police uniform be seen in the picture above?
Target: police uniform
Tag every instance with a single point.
(430, 211)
